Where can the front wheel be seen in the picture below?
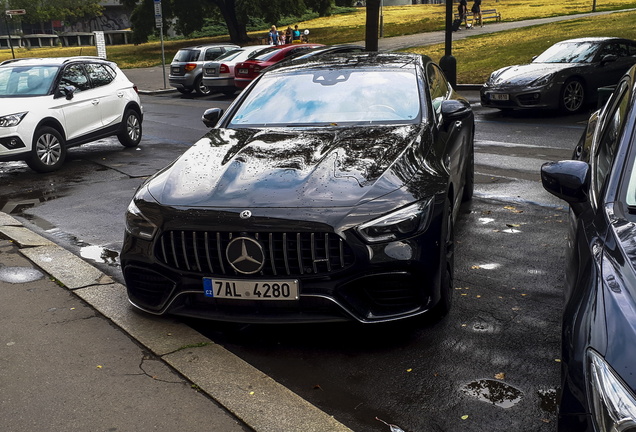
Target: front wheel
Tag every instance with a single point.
(447, 263)
(48, 151)
(572, 96)
(130, 136)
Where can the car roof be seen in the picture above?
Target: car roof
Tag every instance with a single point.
(52, 61)
(351, 60)
(210, 46)
(593, 39)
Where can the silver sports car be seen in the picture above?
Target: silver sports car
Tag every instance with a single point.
(566, 76)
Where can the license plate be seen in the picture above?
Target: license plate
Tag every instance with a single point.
(499, 96)
(210, 71)
(175, 70)
(251, 290)
(242, 71)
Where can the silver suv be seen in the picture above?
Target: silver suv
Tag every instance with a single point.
(186, 69)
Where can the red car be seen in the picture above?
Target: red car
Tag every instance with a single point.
(246, 71)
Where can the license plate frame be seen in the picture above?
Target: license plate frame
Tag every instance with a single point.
(243, 71)
(500, 97)
(249, 289)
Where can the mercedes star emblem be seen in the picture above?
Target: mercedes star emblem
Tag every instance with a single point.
(246, 214)
(245, 255)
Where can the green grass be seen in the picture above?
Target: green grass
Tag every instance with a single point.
(476, 56)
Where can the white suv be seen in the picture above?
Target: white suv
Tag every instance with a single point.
(50, 104)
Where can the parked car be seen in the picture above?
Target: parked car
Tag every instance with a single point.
(599, 319)
(186, 69)
(219, 75)
(245, 72)
(566, 76)
(51, 104)
(297, 207)
(326, 50)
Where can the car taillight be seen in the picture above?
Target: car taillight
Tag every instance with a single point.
(189, 67)
(224, 69)
(257, 69)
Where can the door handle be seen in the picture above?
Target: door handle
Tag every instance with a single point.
(120, 94)
(95, 101)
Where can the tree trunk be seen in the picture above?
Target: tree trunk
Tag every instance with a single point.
(237, 30)
(372, 25)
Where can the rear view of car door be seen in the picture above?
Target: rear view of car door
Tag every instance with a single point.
(106, 89)
(81, 112)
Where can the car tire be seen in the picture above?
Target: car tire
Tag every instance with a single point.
(201, 89)
(572, 96)
(184, 90)
(48, 151)
(130, 136)
(469, 176)
(447, 263)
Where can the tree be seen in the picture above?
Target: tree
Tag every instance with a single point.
(43, 11)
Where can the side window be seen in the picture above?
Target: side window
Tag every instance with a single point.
(438, 85)
(74, 75)
(608, 141)
(212, 53)
(100, 75)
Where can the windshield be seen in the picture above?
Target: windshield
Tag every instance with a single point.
(229, 55)
(330, 98)
(19, 81)
(569, 52)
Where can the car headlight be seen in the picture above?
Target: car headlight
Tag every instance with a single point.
(544, 80)
(12, 119)
(397, 225)
(613, 405)
(137, 224)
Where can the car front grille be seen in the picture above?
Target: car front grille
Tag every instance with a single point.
(286, 253)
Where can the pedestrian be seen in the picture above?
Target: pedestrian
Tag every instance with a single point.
(296, 34)
(476, 10)
(281, 38)
(288, 35)
(272, 36)
(463, 12)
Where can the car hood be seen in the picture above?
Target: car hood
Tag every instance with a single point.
(524, 75)
(13, 105)
(231, 168)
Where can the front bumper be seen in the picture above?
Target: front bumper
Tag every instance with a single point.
(514, 98)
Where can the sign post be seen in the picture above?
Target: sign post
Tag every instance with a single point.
(100, 43)
(10, 13)
(159, 25)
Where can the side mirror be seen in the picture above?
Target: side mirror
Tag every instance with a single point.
(453, 110)
(568, 180)
(66, 91)
(211, 117)
(608, 59)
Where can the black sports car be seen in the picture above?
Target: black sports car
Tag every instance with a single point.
(566, 76)
(599, 319)
(327, 191)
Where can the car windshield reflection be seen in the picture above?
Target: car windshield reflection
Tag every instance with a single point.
(26, 81)
(570, 52)
(331, 98)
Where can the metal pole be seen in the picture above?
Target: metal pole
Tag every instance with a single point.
(163, 57)
(6, 22)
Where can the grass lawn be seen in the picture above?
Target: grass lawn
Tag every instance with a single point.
(475, 56)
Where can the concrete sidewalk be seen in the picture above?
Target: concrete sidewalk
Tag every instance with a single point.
(75, 356)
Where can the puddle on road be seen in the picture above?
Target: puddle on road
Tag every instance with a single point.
(495, 392)
(548, 400)
(17, 275)
(101, 255)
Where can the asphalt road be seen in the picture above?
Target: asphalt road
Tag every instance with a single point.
(491, 364)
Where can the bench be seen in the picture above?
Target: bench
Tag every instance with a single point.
(485, 14)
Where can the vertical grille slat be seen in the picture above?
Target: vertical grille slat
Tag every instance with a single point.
(286, 253)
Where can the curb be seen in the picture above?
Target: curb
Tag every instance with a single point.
(249, 394)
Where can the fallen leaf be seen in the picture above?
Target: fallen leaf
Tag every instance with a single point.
(500, 376)
(317, 387)
(557, 360)
(513, 225)
(464, 417)
(99, 366)
(251, 393)
(393, 427)
(409, 370)
(475, 267)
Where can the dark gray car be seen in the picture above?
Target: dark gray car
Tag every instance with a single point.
(186, 69)
(566, 76)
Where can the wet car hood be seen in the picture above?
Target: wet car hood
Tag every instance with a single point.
(318, 168)
(525, 75)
